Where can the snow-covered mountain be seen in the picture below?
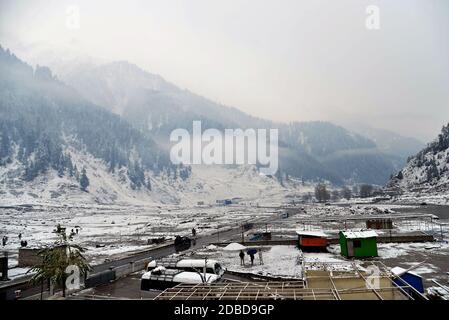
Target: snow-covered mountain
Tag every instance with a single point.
(428, 170)
(309, 150)
(52, 141)
(313, 151)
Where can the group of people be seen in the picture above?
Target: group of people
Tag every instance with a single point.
(23, 243)
(251, 256)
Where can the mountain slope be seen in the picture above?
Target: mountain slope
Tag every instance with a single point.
(390, 142)
(41, 120)
(428, 170)
(49, 136)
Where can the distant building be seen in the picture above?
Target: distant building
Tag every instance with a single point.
(358, 243)
(236, 200)
(260, 236)
(379, 224)
(223, 202)
(312, 240)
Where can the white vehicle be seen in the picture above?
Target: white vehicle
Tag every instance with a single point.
(161, 278)
(191, 265)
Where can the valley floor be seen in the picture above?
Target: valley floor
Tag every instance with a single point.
(111, 232)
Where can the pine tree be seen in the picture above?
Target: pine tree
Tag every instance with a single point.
(148, 184)
(84, 180)
(5, 145)
(76, 173)
(69, 165)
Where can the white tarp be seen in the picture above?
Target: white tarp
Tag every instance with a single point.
(234, 247)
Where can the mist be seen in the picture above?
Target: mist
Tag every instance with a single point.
(284, 61)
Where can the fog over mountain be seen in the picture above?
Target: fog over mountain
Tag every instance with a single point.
(314, 151)
(351, 104)
(299, 61)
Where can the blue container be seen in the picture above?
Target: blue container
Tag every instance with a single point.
(413, 280)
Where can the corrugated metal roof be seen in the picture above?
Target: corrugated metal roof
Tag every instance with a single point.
(359, 234)
(311, 233)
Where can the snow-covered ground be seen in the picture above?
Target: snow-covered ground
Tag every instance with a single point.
(287, 261)
(110, 231)
(206, 184)
(107, 230)
(419, 197)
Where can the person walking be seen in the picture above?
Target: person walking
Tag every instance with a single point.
(242, 258)
(251, 255)
(4, 240)
(193, 232)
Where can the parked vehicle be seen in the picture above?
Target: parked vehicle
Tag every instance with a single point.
(182, 243)
(190, 265)
(161, 278)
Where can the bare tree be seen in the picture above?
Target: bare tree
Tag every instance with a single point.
(346, 193)
(335, 195)
(321, 193)
(366, 190)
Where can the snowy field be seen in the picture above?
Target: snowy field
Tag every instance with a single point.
(113, 230)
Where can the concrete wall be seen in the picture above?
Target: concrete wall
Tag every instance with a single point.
(115, 273)
(28, 257)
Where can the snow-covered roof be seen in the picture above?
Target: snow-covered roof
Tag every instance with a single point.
(311, 233)
(359, 234)
(195, 263)
(398, 271)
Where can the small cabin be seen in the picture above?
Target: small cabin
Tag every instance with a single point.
(359, 244)
(312, 240)
(407, 279)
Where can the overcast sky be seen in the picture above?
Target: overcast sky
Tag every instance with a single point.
(282, 60)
